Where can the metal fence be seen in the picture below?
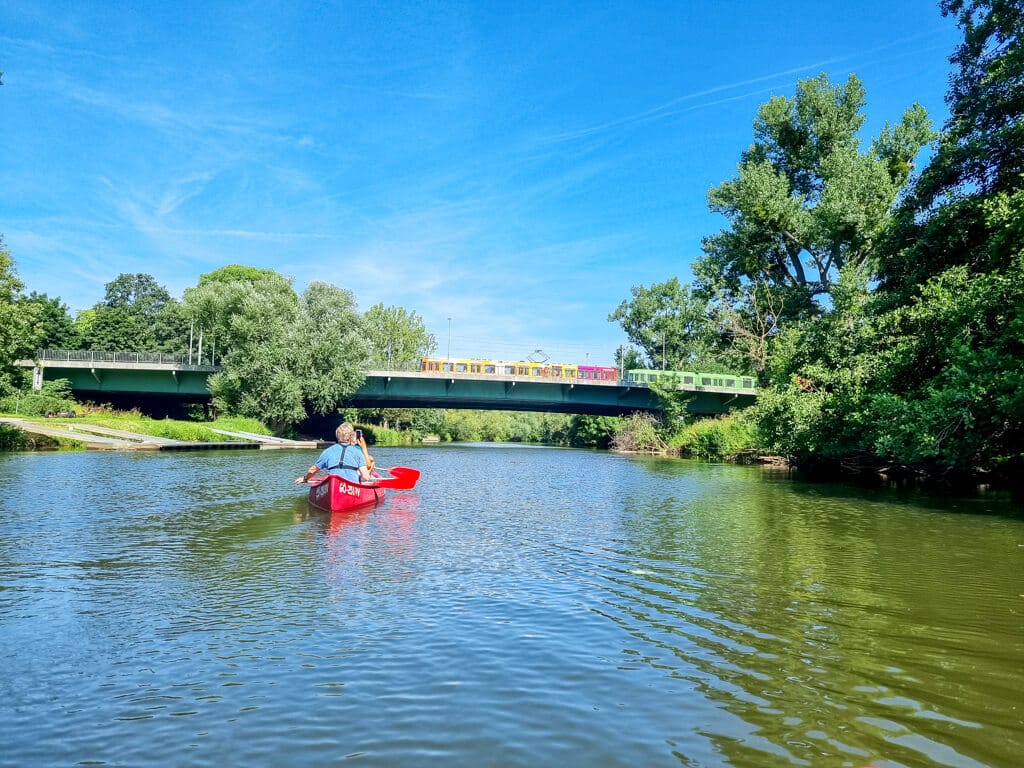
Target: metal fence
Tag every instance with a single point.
(98, 356)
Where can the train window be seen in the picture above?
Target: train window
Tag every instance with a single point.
(705, 380)
(474, 368)
(687, 379)
(489, 369)
(748, 383)
(446, 367)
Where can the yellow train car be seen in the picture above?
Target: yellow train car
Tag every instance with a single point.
(560, 371)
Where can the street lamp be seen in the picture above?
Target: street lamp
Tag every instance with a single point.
(449, 339)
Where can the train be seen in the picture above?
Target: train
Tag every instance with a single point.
(590, 374)
(690, 380)
(595, 374)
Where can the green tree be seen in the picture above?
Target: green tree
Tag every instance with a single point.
(255, 325)
(823, 372)
(807, 201)
(227, 306)
(238, 273)
(397, 338)
(172, 328)
(952, 267)
(671, 324)
(54, 328)
(980, 154)
(127, 317)
(139, 293)
(627, 357)
(332, 348)
(592, 431)
(17, 318)
(283, 355)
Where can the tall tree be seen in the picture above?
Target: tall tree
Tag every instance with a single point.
(952, 268)
(670, 323)
(139, 293)
(227, 305)
(332, 346)
(253, 323)
(397, 337)
(282, 355)
(16, 321)
(54, 328)
(115, 329)
(807, 200)
(125, 319)
(952, 216)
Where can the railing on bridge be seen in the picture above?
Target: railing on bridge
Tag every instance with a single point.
(137, 358)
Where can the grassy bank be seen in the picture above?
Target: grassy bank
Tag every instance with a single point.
(14, 439)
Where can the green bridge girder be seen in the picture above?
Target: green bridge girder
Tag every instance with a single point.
(127, 373)
(389, 389)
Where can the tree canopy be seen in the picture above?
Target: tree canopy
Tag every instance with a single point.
(397, 337)
(807, 200)
(16, 320)
(669, 323)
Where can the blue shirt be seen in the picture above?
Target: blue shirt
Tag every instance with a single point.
(331, 458)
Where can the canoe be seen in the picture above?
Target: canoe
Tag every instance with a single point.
(332, 493)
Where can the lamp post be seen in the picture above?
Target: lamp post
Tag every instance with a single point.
(449, 339)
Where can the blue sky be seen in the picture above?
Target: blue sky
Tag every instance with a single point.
(515, 167)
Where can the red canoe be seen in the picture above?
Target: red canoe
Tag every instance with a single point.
(332, 493)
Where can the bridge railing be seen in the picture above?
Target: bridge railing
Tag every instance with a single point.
(99, 356)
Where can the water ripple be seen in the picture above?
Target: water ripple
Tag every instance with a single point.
(522, 607)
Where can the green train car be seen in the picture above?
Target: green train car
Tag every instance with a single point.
(688, 379)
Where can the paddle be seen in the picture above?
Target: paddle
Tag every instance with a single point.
(403, 478)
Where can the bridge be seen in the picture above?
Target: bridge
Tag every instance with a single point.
(95, 374)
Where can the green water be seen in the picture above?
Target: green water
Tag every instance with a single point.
(521, 607)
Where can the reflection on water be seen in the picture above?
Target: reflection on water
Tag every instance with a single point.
(519, 607)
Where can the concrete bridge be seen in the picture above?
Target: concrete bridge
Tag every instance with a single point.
(94, 374)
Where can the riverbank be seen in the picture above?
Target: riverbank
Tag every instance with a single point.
(28, 433)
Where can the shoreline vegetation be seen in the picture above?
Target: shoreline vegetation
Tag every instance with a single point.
(731, 438)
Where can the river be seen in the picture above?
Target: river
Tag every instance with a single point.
(522, 606)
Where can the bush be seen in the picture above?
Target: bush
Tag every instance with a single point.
(639, 433)
(721, 439)
(376, 435)
(11, 438)
(54, 397)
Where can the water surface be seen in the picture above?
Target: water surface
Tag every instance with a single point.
(522, 607)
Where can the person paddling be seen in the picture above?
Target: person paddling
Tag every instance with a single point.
(347, 458)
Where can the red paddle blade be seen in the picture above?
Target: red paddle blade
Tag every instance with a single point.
(403, 478)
